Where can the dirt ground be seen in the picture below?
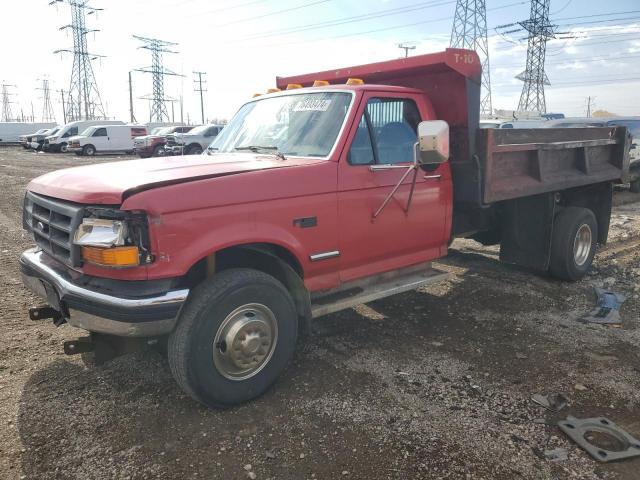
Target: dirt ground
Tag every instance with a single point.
(434, 383)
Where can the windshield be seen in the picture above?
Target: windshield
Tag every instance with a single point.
(199, 130)
(161, 130)
(88, 132)
(53, 131)
(305, 125)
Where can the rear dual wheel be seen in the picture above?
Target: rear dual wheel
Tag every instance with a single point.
(573, 243)
(235, 336)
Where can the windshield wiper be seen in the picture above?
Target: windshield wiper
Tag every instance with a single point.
(257, 148)
(212, 149)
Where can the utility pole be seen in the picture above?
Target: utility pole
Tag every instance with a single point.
(406, 47)
(132, 117)
(470, 31)
(7, 114)
(48, 115)
(64, 109)
(157, 47)
(534, 76)
(181, 111)
(590, 104)
(199, 89)
(84, 97)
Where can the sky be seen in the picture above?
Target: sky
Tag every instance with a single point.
(244, 44)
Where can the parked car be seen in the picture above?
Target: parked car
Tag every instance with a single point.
(106, 139)
(312, 200)
(153, 145)
(25, 140)
(193, 142)
(60, 141)
(38, 140)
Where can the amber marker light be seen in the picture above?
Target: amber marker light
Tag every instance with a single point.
(111, 257)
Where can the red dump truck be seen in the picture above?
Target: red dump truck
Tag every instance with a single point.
(339, 189)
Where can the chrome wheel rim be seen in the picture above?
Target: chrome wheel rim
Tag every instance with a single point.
(245, 341)
(582, 245)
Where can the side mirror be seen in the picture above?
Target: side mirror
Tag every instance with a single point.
(433, 142)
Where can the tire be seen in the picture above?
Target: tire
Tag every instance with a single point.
(158, 151)
(194, 150)
(573, 227)
(89, 150)
(634, 186)
(63, 148)
(199, 358)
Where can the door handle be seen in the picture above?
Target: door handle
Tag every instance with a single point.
(432, 177)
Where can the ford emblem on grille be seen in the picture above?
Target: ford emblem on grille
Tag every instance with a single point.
(40, 226)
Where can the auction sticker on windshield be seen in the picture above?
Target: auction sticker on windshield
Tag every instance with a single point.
(312, 105)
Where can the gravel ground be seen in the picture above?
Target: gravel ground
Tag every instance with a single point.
(434, 383)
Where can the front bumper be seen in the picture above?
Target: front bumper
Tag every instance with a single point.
(91, 310)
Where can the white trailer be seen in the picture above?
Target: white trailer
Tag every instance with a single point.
(10, 131)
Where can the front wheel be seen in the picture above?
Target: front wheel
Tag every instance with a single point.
(573, 243)
(158, 151)
(89, 150)
(64, 148)
(194, 150)
(234, 338)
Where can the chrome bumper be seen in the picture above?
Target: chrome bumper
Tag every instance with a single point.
(99, 312)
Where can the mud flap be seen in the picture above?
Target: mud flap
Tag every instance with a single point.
(527, 227)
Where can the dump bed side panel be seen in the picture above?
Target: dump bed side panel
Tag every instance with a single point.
(523, 162)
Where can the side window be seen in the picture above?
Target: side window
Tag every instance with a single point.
(71, 132)
(100, 132)
(394, 123)
(361, 151)
(387, 132)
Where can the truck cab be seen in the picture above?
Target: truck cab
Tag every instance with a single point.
(339, 188)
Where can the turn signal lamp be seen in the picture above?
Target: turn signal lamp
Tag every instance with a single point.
(293, 86)
(111, 257)
(355, 81)
(273, 90)
(320, 83)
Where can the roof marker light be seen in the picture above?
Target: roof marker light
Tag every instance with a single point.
(256, 95)
(293, 86)
(355, 81)
(320, 83)
(273, 90)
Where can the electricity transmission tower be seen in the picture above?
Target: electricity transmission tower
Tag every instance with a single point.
(84, 98)
(470, 31)
(534, 77)
(48, 116)
(7, 115)
(157, 47)
(198, 88)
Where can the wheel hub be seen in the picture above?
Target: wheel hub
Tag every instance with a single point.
(582, 245)
(245, 341)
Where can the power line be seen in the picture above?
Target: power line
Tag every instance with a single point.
(158, 111)
(470, 31)
(84, 97)
(48, 115)
(534, 77)
(269, 14)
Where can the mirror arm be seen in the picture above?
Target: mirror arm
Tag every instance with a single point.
(411, 168)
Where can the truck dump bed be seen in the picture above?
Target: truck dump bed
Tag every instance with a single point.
(493, 165)
(514, 163)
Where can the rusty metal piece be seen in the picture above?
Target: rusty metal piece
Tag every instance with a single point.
(601, 438)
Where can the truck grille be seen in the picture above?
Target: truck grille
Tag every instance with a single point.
(171, 140)
(53, 223)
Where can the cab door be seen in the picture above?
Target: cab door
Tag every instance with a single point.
(374, 240)
(100, 139)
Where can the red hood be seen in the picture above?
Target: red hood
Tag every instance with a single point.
(110, 183)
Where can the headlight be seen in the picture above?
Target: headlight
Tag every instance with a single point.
(95, 232)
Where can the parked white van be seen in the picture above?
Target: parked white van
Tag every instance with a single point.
(60, 141)
(106, 139)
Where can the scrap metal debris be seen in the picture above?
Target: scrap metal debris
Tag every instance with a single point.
(554, 401)
(556, 455)
(607, 311)
(601, 438)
